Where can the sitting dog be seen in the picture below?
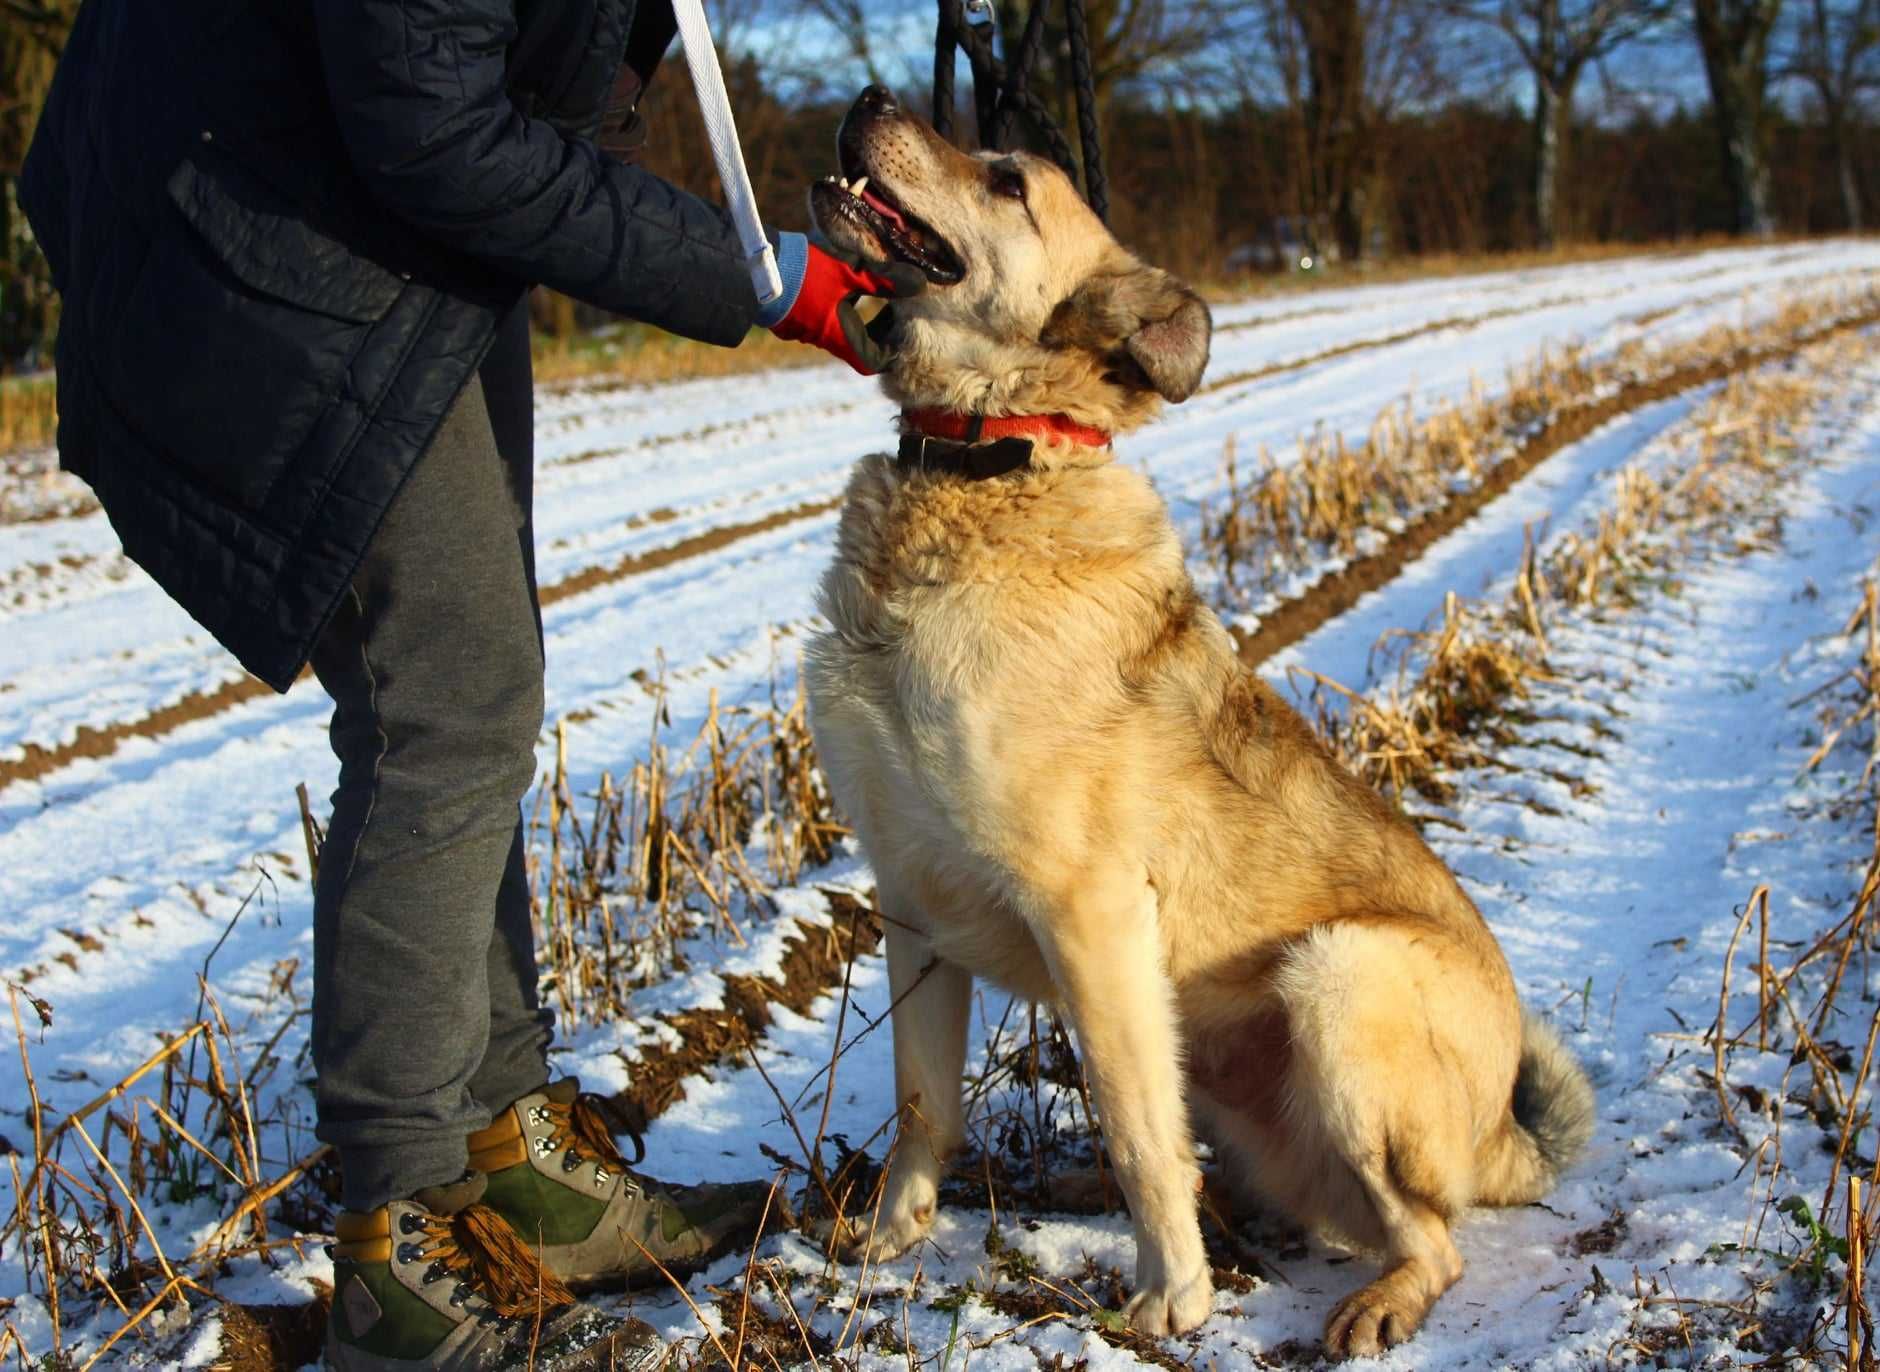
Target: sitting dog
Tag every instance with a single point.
(1069, 784)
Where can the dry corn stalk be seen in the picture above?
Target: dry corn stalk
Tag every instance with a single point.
(1457, 681)
(1285, 519)
(623, 875)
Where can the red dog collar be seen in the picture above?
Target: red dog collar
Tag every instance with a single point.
(978, 447)
(975, 428)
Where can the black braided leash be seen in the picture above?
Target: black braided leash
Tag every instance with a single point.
(1096, 186)
(1000, 95)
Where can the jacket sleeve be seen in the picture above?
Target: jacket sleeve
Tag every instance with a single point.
(419, 89)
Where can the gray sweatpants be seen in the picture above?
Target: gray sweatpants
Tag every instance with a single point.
(425, 1012)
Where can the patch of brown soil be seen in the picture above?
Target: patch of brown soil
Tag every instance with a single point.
(1338, 592)
(749, 1333)
(273, 1338)
(813, 962)
(1601, 1238)
(89, 742)
(1034, 1302)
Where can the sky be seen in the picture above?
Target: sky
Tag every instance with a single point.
(1657, 73)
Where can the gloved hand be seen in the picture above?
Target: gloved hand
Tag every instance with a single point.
(823, 312)
(622, 133)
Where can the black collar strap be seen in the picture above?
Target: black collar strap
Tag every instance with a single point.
(973, 461)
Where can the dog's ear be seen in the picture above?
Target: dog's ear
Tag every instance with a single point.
(1142, 318)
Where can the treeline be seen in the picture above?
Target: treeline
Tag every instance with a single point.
(1213, 192)
(1199, 191)
(1249, 135)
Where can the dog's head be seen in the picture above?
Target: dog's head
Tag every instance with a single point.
(1032, 306)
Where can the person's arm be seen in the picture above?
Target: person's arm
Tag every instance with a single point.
(418, 87)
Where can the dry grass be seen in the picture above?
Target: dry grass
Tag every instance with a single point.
(29, 412)
(687, 845)
(1462, 686)
(639, 355)
(687, 841)
(1278, 521)
(184, 1126)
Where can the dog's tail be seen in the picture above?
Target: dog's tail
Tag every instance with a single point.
(1550, 1120)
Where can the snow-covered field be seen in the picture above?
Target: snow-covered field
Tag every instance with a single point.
(121, 868)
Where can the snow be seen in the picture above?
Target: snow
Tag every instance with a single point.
(1614, 912)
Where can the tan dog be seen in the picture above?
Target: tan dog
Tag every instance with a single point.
(1069, 784)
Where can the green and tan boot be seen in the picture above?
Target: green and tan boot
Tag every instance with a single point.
(558, 1178)
(442, 1282)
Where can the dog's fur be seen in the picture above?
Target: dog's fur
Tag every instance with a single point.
(1068, 783)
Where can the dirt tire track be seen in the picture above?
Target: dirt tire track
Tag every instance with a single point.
(814, 960)
(92, 741)
(1333, 595)
(99, 741)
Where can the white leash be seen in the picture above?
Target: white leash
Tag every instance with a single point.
(702, 57)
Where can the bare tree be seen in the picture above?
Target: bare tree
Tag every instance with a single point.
(1557, 41)
(1344, 69)
(1835, 52)
(1131, 41)
(1734, 38)
(1341, 152)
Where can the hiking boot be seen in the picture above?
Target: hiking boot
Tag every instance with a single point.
(558, 1178)
(442, 1282)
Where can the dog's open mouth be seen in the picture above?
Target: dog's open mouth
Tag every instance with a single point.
(872, 209)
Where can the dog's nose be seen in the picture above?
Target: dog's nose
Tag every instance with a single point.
(879, 100)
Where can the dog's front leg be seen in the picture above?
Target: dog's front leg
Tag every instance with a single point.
(932, 1001)
(1106, 960)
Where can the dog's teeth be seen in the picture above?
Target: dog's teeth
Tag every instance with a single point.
(861, 184)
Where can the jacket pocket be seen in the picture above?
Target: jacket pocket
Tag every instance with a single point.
(241, 330)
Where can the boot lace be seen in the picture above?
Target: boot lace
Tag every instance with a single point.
(584, 1127)
(488, 1259)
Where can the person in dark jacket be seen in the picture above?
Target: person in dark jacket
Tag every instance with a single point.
(294, 239)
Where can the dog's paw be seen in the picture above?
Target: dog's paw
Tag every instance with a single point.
(1372, 1319)
(1172, 1306)
(860, 1238)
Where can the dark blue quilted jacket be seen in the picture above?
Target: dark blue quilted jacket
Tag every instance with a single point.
(285, 230)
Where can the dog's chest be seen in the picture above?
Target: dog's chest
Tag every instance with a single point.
(908, 744)
(917, 771)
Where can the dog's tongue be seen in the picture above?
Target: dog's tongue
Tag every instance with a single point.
(884, 209)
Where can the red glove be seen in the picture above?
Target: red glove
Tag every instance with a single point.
(824, 313)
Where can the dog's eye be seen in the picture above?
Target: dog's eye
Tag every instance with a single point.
(1008, 182)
